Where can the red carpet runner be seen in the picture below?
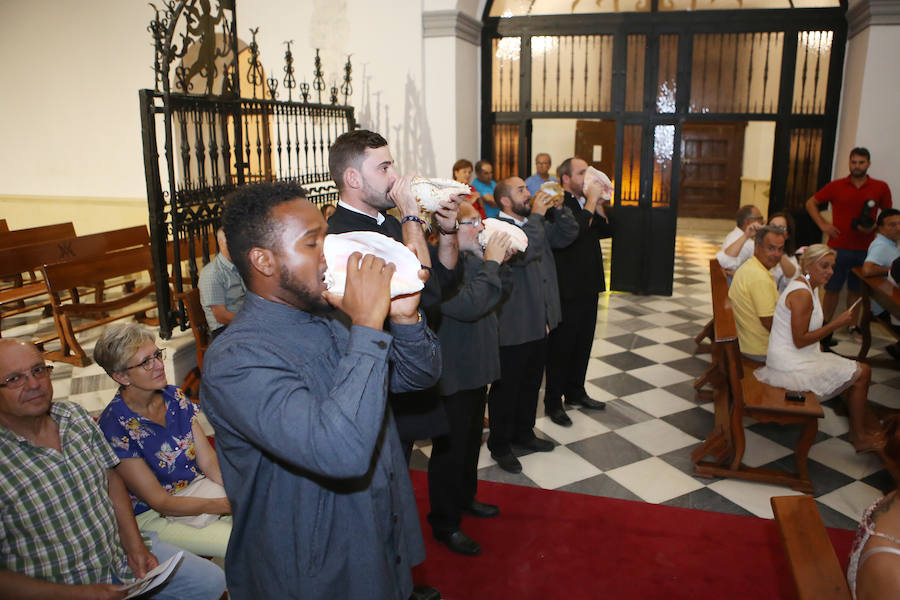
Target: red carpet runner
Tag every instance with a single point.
(553, 545)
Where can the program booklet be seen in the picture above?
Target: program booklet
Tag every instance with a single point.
(153, 578)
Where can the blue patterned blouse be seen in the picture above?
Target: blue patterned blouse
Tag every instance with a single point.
(169, 451)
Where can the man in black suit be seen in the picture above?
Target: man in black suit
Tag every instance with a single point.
(362, 168)
(579, 268)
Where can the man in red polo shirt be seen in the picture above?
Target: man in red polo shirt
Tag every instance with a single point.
(853, 226)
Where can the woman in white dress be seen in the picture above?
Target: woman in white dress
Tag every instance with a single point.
(794, 360)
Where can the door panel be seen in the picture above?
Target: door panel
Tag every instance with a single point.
(712, 158)
(597, 137)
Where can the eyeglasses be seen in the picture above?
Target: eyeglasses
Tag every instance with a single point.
(17, 380)
(147, 363)
(473, 223)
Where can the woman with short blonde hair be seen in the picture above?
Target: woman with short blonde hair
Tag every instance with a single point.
(794, 360)
(169, 466)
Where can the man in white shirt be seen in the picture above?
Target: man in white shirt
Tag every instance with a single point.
(738, 245)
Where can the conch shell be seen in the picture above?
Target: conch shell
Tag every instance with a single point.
(430, 193)
(593, 174)
(339, 247)
(553, 189)
(492, 226)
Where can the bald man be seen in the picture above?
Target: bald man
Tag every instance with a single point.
(66, 522)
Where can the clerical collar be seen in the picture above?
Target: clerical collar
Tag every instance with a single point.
(514, 219)
(378, 220)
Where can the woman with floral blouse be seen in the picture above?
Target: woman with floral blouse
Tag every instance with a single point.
(169, 466)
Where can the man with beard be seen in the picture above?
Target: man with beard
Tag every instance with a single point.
(852, 197)
(469, 347)
(363, 171)
(580, 269)
(530, 310)
(321, 497)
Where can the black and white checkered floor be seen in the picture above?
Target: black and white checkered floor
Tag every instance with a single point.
(643, 366)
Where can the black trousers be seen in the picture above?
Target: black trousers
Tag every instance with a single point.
(453, 467)
(513, 398)
(570, 350)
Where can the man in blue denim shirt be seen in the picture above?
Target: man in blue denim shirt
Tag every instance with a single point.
(312, 464)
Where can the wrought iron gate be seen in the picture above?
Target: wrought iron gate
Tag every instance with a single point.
(220, 123)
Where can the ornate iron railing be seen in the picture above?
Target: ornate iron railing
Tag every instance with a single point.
(214, 138)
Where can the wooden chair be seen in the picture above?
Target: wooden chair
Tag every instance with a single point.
(200, 329)
(737, 393)
(814, 565)
(61, 277)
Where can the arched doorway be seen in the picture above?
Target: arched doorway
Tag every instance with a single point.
(663, 94)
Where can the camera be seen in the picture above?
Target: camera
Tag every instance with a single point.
(864, 220)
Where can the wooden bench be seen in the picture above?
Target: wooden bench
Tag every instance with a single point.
(36, 235)
(737, 393)
(33, 257)
(3, 226)
(814, 565)
(185, 251)
(61, 277)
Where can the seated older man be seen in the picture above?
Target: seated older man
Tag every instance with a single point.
(738, 244)
(883, 251)
(753, 293)
(66, 525)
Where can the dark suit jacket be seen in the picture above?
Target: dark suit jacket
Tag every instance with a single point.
(579, 266)
(419, 415)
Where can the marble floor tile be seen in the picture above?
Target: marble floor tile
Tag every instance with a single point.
(658, 402)
(654, 481)
(852, 500)
(656, 436)
(560, 467)
(752, 496)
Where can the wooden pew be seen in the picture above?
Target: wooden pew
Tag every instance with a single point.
(36, 235)
(737, 393)
(33, 257)
(3, 226)
(61, 277)
(814, 565)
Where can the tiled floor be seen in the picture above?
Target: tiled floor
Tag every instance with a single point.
(643, 365)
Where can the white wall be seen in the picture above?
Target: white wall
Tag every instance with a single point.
(556, 137)
(69, 111)
(868, 112)
(73, 70)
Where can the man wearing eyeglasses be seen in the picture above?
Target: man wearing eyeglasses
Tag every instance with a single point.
(471, 361)
(66, 524)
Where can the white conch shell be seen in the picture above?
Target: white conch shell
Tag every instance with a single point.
(339, 247)
(593, 174)
(552, 188)
(430, 193)
(491, 226)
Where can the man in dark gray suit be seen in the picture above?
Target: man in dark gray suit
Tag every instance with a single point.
(471, 361)
(530, 310)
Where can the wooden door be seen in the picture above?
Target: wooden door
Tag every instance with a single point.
(711, 165)
(597, 139)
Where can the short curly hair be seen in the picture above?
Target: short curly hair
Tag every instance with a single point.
(248, 221)
(117, 344)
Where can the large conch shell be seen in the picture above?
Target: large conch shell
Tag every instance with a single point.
(593, 174)
(339, 247)
(552, 189)
(492, 226)
(430, 193)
